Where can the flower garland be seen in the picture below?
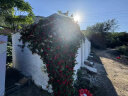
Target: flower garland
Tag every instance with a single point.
(56, 40)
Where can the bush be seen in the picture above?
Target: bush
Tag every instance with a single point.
(9, 49)
(9, 52)
(115, 39)
(122, 50)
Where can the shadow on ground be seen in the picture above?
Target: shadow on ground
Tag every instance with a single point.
(101, 80)
(31, 90)
(13, 76)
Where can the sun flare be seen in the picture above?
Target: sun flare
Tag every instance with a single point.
(77, 18)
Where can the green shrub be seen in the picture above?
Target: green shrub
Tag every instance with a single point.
(9, 49)
(122, 50)
(9, 52)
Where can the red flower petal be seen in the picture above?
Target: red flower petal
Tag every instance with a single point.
(81, 91)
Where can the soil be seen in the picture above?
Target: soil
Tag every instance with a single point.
(112, 77)
(31, 90)
(14, 76)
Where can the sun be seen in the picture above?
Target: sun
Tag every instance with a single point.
(77, 18)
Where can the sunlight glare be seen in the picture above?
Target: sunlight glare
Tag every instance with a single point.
(77, 18)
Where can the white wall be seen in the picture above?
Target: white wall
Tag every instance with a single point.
(83, 53)
(31, 65)
(28, 63)
(3, 49)
(87, 47)
(78, 60)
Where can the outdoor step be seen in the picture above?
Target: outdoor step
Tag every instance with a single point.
(89, 63)
(91, 53)
(11, 90)
(90, 69)
(10, 87)
(91, 56)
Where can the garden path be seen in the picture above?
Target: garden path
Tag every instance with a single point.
(116, 71)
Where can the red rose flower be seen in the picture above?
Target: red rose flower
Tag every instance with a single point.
(81, 94)
(85, 90)
(58, 80)
(57, 47)
(63, 82)
(48, 48)
(47, 65)
(67, 66)
(55, 58)
(59, 63)
(81, 91)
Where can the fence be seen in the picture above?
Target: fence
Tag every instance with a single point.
(3, 49)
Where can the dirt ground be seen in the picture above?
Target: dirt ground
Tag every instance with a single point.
(31, 90)
(113, 74)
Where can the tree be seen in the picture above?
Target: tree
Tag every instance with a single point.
(97, 33)
(103, 27)
(12, 11)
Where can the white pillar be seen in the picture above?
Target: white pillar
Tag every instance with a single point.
(86, 49)
(81, 53)
(3, 51)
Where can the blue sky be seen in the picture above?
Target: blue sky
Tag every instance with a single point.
(90, 11)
